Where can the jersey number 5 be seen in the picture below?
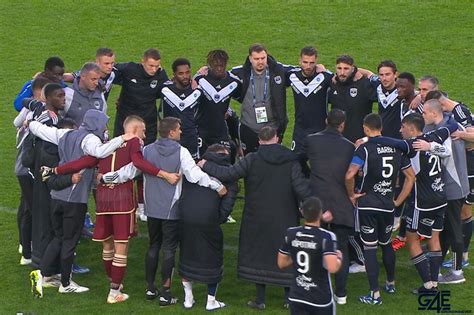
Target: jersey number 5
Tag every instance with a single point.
(387, 168)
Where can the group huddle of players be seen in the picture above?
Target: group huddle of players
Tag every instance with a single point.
(412, 171)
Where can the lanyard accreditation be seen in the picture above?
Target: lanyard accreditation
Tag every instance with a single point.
(260, 111)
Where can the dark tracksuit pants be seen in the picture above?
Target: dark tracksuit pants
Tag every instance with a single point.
(24, 213)
(162, 234)
(67, 221)
(452, 232)
(342, 234)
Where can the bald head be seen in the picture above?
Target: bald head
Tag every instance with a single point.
(432, 112)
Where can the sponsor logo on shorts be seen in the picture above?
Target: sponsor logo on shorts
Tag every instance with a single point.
(366, 229)
(426, 221)
(389, 228)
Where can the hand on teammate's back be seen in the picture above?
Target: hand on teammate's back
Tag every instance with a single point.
(222, 192)
(76, 178)
(327, 216)
(128, 136)
(201, 163)
(172, 178)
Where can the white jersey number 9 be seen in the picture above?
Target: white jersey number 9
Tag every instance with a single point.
(302, 259)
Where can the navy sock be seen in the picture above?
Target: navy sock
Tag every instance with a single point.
(421, 265)
(436, 258)
(212, 289)
(372, 266)
(260, 293)
(388, 256)
(403, 228)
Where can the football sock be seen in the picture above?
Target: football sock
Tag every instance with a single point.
(107, 258)
(421, 265)
(436, 258)
(372, 266)
(388, 256)
(119, 265)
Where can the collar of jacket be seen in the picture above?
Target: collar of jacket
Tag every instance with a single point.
(271, 62)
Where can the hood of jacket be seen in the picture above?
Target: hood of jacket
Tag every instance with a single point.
(218, 158)
(95, 122)
(276, 154)
(166, 146)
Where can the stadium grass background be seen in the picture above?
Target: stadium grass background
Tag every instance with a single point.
(429, 37)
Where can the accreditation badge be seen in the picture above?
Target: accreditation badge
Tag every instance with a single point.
(261, 115)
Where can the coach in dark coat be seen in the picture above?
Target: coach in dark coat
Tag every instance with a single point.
(274, 184)
(201, 239)
(329, 155)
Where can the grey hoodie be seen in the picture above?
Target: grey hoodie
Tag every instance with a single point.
(78, 102)
(69, 146)
(159, 195)
(454, 167)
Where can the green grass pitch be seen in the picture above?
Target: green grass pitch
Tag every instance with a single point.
(422, 37)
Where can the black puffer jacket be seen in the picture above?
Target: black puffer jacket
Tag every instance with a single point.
(274, 184)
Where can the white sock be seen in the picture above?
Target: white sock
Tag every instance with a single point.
(114, 291)
(428, 285)
(457, 272)
(210, 299)
(188, 291)
(465, 256)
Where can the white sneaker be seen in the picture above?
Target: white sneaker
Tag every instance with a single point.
(214, 305)
(72, 288)
(116, 296)
(52, 282)
(341, 300)
(189, 303)
(230, 220)
(36, 283)
(25, 261)
(356, 268)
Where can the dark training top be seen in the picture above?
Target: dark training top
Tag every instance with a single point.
(139, 90)
(307, 246)
(380, 165)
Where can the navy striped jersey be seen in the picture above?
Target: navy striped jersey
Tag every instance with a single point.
(311, 99)
(390, 109)
(213, 107)
(307, 245)
(182, 104)
(429, 192)
(380, 166)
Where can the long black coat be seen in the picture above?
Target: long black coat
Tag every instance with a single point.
(201, 240)
(329, 155)
(274, 184)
